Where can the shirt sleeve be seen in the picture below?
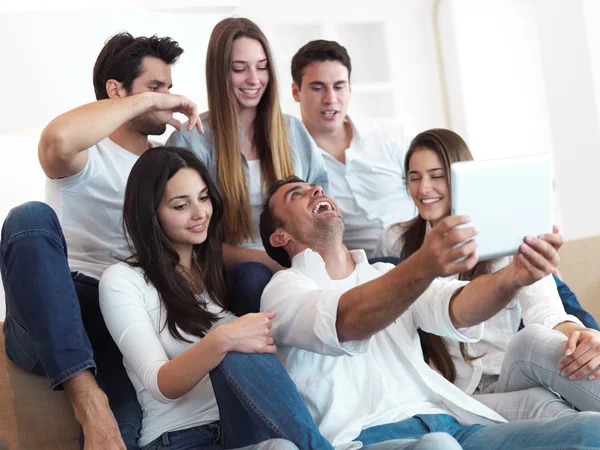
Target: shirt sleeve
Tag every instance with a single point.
(306, 315)
(301, 142)
(431, 312)
(122, 292)
(192, 140)
(387, 244)
(542, 305)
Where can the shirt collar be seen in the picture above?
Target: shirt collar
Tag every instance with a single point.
(311, 263)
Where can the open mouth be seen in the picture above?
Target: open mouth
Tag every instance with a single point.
(198, 228)
(330, 114)
(250, 93)
(429, 201)
(322, 206)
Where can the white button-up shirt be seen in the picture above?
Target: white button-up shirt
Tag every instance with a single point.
(370, 188)
(538, 303)
(350, 386)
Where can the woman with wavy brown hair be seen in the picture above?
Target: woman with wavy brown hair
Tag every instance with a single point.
(204, 377)
(493, 368)
(248, 143)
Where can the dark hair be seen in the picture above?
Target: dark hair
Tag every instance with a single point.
(122, 55)
(319, 50)
(449, 147)
(269, 222)
(154, 253)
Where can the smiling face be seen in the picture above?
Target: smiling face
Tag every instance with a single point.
(308, 216)
(428, 185)
(185, 210)
(249, 71)
(323, 96)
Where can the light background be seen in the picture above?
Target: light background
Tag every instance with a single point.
(511, 76)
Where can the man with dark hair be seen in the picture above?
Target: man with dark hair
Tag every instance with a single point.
(364, 158)
(51, 257)
(346, 330)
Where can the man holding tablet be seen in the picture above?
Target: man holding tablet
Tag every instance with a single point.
(353, 327)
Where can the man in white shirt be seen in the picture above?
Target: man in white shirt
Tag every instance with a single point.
(347, 330)
(364, 157)
(53, 322)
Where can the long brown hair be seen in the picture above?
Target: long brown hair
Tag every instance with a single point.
(450, 148)
(154, 253)
(223, 109)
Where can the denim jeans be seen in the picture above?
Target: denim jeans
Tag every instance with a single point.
(531, 361)
(207, 437)
(258, 401)
(578, 431)
(246, 283)
(53, 323)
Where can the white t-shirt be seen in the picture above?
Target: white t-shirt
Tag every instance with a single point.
(370, 188)
(538, 303)
(354, 385)
(256, 196)
(135, 316)
(89, 206)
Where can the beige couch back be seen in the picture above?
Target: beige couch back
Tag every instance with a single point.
(580, 269)
(31, 416)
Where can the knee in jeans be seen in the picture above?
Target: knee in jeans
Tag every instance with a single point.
(438, 441)
(521, 342)
(37, 215)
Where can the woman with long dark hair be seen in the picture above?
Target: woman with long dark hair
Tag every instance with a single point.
(167, 309)
(502, 361)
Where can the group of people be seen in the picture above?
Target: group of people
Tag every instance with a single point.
(265, 282)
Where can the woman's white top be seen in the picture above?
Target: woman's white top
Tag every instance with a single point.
(135, 317)
(538, 303)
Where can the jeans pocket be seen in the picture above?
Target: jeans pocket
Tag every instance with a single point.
(18, 344)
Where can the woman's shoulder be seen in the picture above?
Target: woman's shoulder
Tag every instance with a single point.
(123, 272)
(390, 241)
(193, 139)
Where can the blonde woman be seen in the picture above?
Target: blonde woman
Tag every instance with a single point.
(248, 143)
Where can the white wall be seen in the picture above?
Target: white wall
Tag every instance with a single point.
(512, 76)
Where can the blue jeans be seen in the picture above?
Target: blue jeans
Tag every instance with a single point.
(577, 431)
(258, 401)
(246, 283)
(207, 437)
(53, 324)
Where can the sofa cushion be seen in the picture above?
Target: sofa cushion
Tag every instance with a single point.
(580, 269)
(31, 415)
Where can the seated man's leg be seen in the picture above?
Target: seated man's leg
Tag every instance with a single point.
(532, 360)
(111, 375)
(572, 305)
(44, 330)
(258, 400)
(576, 431)
(246, 284)
(43, 324)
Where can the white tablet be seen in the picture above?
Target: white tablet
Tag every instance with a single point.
(507, 199)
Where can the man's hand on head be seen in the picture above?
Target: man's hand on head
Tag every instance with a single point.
(180, 104)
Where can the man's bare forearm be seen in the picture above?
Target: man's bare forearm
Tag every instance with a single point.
(371, 307)
(482, 298)
(82, 127)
